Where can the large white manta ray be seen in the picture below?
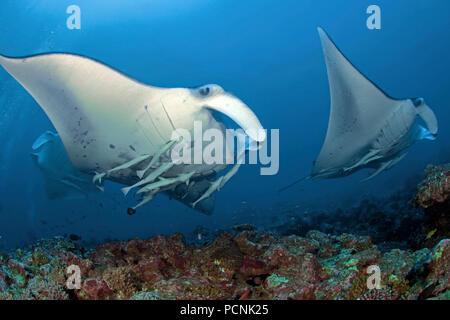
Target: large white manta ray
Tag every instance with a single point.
(366, 128)
(121, 129)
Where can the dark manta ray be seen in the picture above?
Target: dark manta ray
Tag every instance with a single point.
(366, 128)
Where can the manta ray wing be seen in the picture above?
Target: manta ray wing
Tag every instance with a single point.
(366, 128)
(93, 107)
(360, 113)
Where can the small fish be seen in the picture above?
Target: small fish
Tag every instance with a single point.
(199, 236)
(147, 198)
(166, 147)
(230, 174)
(182, 178)
(129, 163)
(430, 234)
(155, 174)
(213, 187)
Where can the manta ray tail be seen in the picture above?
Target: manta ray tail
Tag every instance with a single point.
(294, 183)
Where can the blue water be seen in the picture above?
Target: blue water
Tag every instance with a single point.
(267, 53)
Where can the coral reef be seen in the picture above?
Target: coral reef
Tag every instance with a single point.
(435, 189)
(247, 265)
(394, 221)
(434, 197)
(403, 245)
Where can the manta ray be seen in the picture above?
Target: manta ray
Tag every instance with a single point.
(117, 128)
(366, 128)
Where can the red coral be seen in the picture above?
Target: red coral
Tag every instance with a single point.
(149, 271)
(253, 267)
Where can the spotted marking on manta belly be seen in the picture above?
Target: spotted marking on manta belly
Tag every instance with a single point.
(112, 146)
(132, 148)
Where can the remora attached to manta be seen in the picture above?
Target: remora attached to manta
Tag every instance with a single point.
(366, 128)
(116, 126)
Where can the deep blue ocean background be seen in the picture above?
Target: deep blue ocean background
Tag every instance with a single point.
(267, 53)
